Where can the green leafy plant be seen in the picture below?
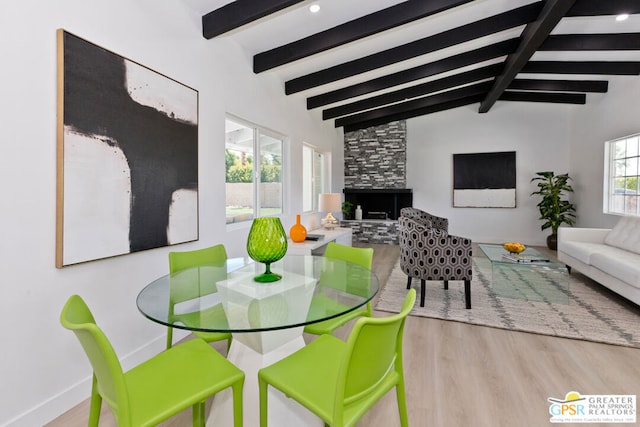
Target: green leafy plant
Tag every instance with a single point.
(554, 210)
(347, 209)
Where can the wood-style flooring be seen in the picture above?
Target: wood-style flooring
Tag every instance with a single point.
(465, 375)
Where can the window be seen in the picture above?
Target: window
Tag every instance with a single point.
(621, 189)
(314, 177)
(253, 159)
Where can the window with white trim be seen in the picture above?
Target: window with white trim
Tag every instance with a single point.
(621, 172)
(253, 165)
(315, 175)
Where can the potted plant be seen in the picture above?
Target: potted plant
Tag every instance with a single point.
(554, 210)
(347, 209)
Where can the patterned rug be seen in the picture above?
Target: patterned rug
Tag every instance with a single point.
(589, 312)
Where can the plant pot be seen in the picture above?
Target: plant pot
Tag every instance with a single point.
(552, 242)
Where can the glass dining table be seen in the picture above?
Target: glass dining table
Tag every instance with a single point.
(265, 319)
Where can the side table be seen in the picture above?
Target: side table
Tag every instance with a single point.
(317, 247)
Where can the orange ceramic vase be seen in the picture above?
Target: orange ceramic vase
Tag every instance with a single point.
(297, 232)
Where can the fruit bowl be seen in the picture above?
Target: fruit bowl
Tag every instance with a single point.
(514, 247)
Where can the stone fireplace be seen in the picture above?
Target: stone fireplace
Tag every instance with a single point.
(375, 178)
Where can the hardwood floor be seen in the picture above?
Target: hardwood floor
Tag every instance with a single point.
(465, 375)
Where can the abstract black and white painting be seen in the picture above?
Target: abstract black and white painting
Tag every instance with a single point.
(127, 155)
(484, 180)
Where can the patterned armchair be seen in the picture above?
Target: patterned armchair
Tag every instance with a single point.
(425, 218)
(427, 253)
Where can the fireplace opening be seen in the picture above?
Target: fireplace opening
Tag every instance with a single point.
(380, 203)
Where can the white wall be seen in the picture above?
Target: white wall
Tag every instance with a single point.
(605, 117)
(538, 133)
(44, 371)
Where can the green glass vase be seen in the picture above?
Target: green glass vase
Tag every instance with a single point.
(267, 243)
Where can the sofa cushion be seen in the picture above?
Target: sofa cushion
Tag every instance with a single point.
(581, 251)
(621, 264)
(625, 234)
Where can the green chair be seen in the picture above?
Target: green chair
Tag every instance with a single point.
(340, 381)
(214, 255)
(185, 375)
(359, 256)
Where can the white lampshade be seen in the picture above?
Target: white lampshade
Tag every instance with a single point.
(330, 202)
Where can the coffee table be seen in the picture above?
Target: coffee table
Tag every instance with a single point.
(535, 281)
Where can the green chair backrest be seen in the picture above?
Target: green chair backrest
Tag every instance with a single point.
(189, 284)
(192, 284)
(374, 352)
(341, 275)
(360, 256)
(107, 370)
(183, 260)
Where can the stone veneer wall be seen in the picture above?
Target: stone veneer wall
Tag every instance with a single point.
(376, 157)
(372, 231)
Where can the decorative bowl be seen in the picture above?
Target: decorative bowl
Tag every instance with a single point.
(514, 247)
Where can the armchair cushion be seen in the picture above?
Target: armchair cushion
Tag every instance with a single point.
(426, 219)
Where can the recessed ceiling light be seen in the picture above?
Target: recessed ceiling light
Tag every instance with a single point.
(622, 17)
(314, 8)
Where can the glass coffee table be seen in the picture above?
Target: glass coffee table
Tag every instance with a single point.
(534, 281)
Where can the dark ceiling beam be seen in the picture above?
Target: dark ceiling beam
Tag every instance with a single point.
(415, 113)
(494, 24)
(239, 13)
(365, 26)
(423, 89)
(612, 68)
(453, 62)
(580, 42)
(415, 104)
(578, 99)
(598, 86)
(556, 98)
(532, 37)
(603, 8)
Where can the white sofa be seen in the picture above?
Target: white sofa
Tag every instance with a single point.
(611, 257)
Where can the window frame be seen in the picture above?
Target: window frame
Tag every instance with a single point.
(622, 200)
(257, 133)
(325, 174)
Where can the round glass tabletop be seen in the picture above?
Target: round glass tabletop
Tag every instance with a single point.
(224, 297)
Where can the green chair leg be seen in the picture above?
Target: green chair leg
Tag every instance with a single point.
(96, 404)
(262, 387)
(169, 338)
(237, 403)
(198, 411)
(402, 405)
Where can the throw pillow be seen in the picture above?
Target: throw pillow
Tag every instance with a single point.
(625, 235)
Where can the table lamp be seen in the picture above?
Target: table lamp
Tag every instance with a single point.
(330, 202)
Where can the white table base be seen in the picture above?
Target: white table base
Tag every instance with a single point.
(283, 412)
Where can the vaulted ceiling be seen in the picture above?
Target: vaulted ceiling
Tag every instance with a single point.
(368, 62)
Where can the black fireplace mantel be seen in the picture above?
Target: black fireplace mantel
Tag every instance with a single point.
(373, 200)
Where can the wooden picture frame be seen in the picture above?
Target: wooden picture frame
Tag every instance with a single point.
(127, 155)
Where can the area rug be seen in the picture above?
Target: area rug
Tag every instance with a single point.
(590, 312)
